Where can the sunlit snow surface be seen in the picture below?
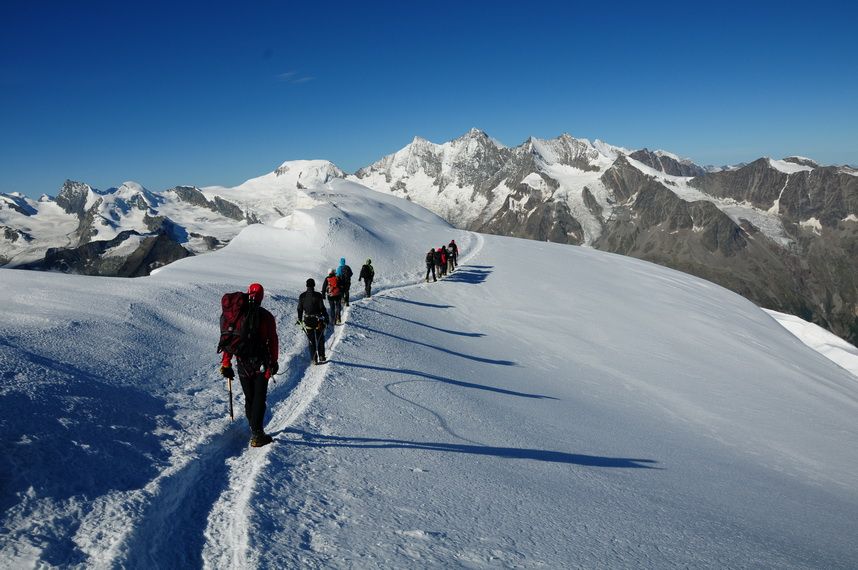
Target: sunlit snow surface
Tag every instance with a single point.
(545, 406)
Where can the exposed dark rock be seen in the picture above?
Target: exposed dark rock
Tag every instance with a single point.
(625, 180)
(211, 242)
(540, 220)
(86, 229)
(193, 196)
(521, 163)
(823, 193)
(73, 196)
(89, 259)
(757, 183)
(815, 280)
(166, 226)
(591, 203)
(667, 164)
(14, 235)
(139, 202)
(154, 252)
(227, 208)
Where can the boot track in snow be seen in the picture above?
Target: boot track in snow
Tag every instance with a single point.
(197, 513)
(228, 532)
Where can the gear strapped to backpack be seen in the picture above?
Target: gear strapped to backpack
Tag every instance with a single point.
(312, 322)
(333, 286)
(238, 326)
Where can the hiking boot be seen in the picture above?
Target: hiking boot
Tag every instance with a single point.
(261, 439)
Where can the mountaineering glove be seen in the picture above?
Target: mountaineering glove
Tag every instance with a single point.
(273, 368)
(227, 372)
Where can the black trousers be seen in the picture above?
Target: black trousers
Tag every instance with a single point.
(317, 343)
(367, 285)
(430, 267)
(346, 293)
(255, 388)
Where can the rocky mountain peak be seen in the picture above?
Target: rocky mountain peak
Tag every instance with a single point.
(73, 197)
(472, 134)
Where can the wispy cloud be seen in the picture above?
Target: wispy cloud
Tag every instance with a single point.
(293, 77)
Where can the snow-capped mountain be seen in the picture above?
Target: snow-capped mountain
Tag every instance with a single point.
(638, 417)
(780, 232)
(777, 231)
(129, 230)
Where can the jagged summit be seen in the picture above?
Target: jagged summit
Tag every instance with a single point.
(473, 133)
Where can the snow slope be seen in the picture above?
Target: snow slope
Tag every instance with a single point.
(544, 406)
(828, 344)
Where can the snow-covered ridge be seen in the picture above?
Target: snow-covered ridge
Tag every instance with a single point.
(663, 418)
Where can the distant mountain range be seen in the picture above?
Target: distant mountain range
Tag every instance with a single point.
(783, 233)
(128, 231)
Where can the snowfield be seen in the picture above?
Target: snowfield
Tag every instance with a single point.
(544, 406)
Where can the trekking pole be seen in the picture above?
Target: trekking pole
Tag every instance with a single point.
(229, 386)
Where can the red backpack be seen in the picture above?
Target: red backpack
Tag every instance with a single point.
(333, 286)
(235, 327)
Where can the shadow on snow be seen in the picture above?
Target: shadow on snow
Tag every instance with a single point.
(469, 274)
(410, 302)
(439, 329)
(318, 440)
(451, 381)
(438, 348)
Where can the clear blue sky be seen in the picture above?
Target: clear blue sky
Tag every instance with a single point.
(179, 93)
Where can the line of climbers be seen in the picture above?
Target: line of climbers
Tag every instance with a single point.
(441, 261)
(249, 333)
(312, 315)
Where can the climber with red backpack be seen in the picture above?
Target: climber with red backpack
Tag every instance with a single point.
(332, 288)
(249, 332)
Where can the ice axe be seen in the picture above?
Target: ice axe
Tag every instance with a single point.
(229, 387)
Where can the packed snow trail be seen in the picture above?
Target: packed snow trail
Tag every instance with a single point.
(118, 378)
(228, 536)
(481, 422)
(545, 404)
